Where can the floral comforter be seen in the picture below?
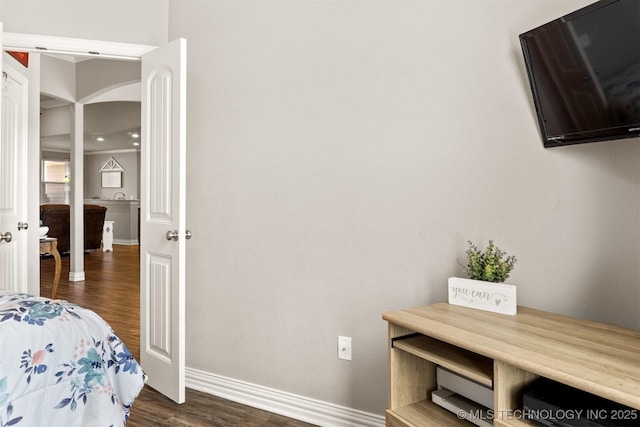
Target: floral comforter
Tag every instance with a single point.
(62, 365)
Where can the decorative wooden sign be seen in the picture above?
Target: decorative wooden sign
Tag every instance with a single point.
(487, 296)
(112, 174)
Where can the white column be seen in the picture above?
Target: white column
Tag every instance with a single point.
(76, 270)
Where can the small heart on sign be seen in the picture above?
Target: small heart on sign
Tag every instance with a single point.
(498, 302)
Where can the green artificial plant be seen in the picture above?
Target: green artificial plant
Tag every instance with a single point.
(492, 265)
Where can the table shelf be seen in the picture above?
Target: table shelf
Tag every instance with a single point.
(471, 365)
(506, 353)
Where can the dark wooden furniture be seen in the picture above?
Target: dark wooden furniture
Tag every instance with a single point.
(57, 218)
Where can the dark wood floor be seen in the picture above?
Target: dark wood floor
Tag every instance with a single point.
(111, 288)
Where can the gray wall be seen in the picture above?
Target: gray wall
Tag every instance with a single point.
(125, 214)
(129, 160)
(341, 154)
(126, 21)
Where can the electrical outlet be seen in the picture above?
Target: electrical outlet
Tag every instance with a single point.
(344, 348)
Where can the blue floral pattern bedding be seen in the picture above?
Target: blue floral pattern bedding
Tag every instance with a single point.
(62, 365)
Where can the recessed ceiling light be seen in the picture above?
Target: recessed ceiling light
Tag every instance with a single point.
(136, 144)
(135, 135)
(99, 139)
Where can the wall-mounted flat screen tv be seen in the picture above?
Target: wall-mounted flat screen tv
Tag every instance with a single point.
(584, 73)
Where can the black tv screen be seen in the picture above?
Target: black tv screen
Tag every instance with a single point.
(584, 72)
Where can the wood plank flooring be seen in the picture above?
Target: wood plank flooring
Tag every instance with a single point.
(111, 288)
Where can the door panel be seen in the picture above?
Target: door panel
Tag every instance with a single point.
(162, 271)
(13, 176)
(160, 307)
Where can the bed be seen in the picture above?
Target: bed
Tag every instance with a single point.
(62, 365)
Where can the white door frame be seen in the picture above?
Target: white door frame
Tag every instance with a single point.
(76, 47)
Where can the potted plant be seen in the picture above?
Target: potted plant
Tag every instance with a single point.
(484, 289)
(492, 265)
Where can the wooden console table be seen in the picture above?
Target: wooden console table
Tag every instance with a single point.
(49, 245)
(505, 353)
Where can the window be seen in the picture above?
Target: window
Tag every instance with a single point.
(55, 180)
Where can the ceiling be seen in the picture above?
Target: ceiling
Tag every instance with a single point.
(112, 141)
(98, 135)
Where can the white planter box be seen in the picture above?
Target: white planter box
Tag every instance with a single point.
(488, 296)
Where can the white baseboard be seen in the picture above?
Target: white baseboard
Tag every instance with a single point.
(125, 242)
(76, 276)
(290, 405)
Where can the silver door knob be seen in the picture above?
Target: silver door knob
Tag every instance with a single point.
(6, 237)
(173, 235)
(23, 226)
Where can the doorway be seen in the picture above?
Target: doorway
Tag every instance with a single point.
(111, 128)
(163, 193)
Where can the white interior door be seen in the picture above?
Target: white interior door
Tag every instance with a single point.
(162, 218)
(13, 176)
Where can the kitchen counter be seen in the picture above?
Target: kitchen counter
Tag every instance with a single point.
(101, 201)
